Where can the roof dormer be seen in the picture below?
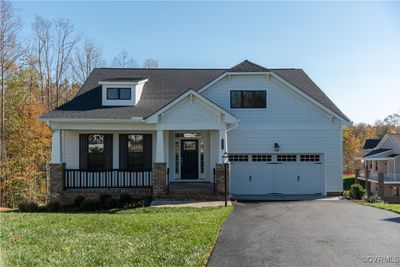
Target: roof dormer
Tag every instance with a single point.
(122, 91)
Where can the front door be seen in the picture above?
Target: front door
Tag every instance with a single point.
(190, 159)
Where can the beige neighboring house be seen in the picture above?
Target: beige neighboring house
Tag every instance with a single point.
(382, 156)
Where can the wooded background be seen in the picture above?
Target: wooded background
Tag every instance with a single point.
(44, 71)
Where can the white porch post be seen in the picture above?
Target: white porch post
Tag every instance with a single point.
(222, 139)
(160, 146)
(56, 146)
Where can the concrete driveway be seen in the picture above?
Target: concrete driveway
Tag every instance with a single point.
(308, 233)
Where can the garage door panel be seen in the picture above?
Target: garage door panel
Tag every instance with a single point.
(279, 174)
(240, 184)
(310, 178)
(261, 178)
(285, 178)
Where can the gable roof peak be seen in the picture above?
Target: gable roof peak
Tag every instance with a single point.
(247, 66)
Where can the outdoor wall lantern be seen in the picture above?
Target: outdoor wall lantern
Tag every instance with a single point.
(276, 147)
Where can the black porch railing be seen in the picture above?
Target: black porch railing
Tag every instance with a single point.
(115, 178)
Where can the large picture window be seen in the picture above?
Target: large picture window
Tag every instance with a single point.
(119, 94)
(135, 152)
(95, 156)
(249, 99)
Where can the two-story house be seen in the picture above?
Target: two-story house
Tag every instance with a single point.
(166, 133)
(382, 156)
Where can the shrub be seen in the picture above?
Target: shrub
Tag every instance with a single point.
(125, 199)
(346, 194)
(53, 206)
(111, 203)
(103, 198)
(28, 206)
(89, 205)
(374, 199)
(356, 191)
(78, 200)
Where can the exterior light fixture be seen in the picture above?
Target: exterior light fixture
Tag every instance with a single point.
(276, 147)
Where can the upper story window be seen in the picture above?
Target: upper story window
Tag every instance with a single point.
(249, 99)
(119, 94)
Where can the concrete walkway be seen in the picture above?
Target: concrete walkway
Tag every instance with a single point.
(181, 204)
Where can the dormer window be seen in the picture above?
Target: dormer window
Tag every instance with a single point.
(119, 93)
(122, 91)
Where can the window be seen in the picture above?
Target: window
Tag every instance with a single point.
(135, 152)
(177, 158)
(285, 157)
(235, 157)
(261, 157)
(310, 157)
(95, 156)
(201, 157)
(119, 93)
(248, 99)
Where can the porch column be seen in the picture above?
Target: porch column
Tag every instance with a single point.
(56, 146)
(160, 146)
(222, 143)
(381, 185)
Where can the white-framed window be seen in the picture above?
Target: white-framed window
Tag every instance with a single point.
(238, 157)
(114, 93)
(310, 157)
(261, 157)
(286, 157)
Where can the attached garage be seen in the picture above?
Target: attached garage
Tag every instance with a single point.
(292, 174)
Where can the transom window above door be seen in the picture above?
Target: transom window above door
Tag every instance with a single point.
(119, 93)
(249, 99)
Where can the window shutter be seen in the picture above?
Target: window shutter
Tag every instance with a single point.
(123, 151)
(108, 155)
(147, 151)
(83, 149)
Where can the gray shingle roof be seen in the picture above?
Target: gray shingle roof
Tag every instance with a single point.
(371, 143)
(377, 151)
(163, 86)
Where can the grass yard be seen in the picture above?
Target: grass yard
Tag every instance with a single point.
(390, 207)
(145, 237)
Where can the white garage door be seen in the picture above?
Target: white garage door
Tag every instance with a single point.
(258, 174)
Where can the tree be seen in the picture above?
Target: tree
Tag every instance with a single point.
(86, 58)
(10, 51)
(42, 56)
(123, 60)
(150, 63)
(66, 40)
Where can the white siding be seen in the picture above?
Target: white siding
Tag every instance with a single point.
(290, 120)
(283, 106)
(190, 110)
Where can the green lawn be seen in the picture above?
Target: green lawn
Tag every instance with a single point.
(145, 237)
(391, 207)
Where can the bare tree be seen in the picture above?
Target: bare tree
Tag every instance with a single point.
(10, 51)
(150, 63)
(42, 56)
(86, 58)
(123, 60)
(66, 40)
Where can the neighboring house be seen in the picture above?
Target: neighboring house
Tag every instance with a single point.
(164, 132)
(382, 156)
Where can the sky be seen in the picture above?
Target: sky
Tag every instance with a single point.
(351, 50)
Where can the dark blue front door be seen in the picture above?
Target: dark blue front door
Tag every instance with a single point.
(190, 159)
